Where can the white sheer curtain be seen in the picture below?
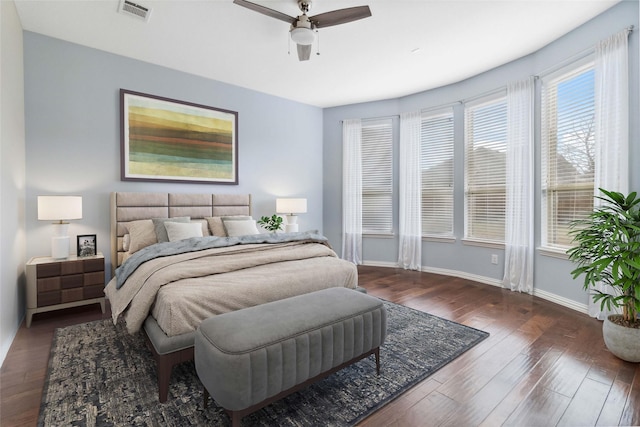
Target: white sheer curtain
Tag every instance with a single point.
(518, 262)
(352, 190)
(410, 248)
(611, 123)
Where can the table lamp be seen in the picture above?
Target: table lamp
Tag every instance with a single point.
(291, 207)
(59, 208)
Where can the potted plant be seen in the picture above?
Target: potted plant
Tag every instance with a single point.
(272, 223)
(607, 251)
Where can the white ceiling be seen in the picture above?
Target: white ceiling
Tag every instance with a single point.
(405, 47)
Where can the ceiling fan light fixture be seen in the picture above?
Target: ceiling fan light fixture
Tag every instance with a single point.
(302, 35)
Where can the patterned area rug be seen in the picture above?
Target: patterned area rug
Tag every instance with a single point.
(99, 375)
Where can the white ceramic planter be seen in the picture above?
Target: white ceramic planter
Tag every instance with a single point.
(622, 342)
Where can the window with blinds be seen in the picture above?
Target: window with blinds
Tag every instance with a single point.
(437, 173)
(377, 177)
(485, 168)
(568, 161)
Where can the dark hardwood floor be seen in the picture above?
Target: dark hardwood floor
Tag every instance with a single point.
(543, 364)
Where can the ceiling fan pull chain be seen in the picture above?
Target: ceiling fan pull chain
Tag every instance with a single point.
(318, 46)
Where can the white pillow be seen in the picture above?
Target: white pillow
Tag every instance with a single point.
(182, 230)
(240, 227)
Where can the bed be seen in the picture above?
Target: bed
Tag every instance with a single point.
(167, 278)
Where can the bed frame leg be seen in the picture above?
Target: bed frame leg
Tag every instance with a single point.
(164, 377)
(377, 354)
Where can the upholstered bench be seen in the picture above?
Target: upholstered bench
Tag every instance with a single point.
(249, 358)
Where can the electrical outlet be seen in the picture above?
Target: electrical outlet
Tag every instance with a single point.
(494, 259)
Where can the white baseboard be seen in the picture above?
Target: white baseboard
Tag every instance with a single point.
(565, 302)
(463, 275)
(557, 299)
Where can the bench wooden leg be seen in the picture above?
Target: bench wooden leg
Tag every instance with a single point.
(236, 417)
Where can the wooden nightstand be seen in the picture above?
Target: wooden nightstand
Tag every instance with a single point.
(53, 284)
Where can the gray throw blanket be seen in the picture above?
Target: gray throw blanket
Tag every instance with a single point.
(195, 244)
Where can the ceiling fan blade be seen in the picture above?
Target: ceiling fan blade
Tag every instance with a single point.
(340, 16)
(304, 52)
(265, 11)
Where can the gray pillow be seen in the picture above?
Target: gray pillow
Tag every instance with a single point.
(161, 231)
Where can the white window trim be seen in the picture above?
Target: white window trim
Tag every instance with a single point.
(476, 102)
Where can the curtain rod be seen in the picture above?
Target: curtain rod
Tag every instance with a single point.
(393, 116)
(440, 107)
(484, 94)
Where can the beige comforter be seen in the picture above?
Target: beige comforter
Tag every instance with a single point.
(182, 290)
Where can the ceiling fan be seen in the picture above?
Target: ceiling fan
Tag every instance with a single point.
(302, 26)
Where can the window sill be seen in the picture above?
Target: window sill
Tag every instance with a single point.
(483, 243)
(378, 236)
(439, 239)
(553, 252)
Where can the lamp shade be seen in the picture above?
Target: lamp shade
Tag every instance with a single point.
(59, 208)
(291, 206)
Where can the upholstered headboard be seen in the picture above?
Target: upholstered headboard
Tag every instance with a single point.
(127, 207)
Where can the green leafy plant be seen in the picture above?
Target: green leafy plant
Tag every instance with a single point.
(608, 251)
(272, 223)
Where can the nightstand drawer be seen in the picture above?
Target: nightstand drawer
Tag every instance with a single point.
(48, 270)
(96, 278)
(95, 291)
(93, 265)
(48, 284)
(69, 295)
(73, 281)
(48, 298)
(71, 267)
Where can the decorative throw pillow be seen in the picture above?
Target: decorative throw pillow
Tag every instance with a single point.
(241, 227)
(216, 226)
(161, 232)
(141, 234)
(180, 231)
(233, 218)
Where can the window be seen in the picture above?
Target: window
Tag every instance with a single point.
(485, 168)
(568, 162)
(377, 177)
(437, 173)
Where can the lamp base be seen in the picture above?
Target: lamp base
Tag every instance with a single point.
(292, 224)
(291, 228)
(60, 247)
(60, 241)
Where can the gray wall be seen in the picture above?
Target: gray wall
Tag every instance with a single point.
(73, 136)
(552, 278)
(12, 182)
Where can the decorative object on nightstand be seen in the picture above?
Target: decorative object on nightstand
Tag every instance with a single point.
(59, 208)
(291, 207)
(53, 284)
(272, 223)
(87, 245)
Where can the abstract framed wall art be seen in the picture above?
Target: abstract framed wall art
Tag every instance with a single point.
(167, 140)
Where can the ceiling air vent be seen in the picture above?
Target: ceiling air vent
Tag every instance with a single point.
(136, 10)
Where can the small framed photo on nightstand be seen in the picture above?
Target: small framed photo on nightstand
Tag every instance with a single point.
(87, 245)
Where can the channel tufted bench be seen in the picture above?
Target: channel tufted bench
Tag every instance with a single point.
(252, 357)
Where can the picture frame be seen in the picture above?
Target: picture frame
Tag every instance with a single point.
(167, 140)
(86, 245)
